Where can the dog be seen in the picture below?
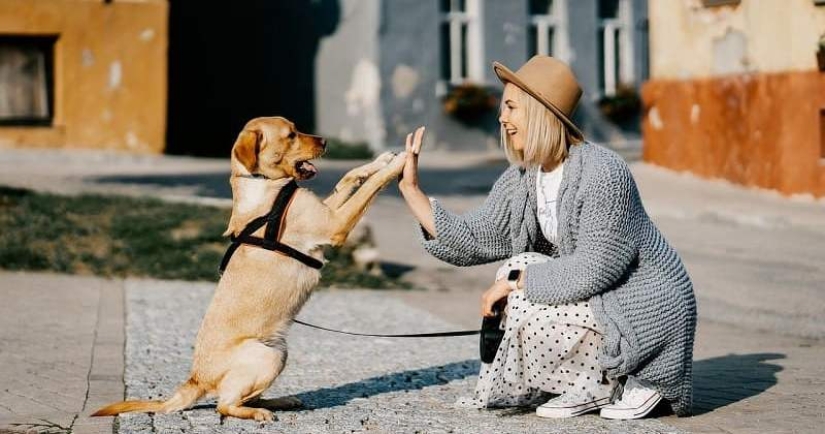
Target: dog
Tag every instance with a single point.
(241, 345)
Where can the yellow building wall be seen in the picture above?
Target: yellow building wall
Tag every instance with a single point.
(780, 36)
(110, 72)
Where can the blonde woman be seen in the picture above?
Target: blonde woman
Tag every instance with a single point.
(599, 308)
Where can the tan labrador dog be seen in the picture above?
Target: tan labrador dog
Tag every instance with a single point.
(241, 345)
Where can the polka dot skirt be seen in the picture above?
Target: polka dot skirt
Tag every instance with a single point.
(546, 349)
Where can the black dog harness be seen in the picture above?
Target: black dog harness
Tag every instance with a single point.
(274, 222)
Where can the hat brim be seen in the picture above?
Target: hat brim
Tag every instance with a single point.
(507, 76)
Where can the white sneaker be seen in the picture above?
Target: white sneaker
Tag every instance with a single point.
(569, 405)
(638, 399)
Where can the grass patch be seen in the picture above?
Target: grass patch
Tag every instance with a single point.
(340, 150)
(116, 236)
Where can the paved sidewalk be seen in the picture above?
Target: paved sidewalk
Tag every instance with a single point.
(61, 356)
(745, 381)
(61, 351)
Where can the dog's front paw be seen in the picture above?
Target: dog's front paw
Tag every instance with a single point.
(396, 165)
(385, 158)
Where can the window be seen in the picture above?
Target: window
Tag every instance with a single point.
(461, 44)
(614, 45)
(26, 83)
(547, 34)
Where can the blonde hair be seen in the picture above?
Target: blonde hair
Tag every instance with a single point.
(547, 140)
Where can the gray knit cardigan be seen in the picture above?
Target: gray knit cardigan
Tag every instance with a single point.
(608, 251)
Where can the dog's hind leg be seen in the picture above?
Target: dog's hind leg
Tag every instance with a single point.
(350, 182)
(255, 366)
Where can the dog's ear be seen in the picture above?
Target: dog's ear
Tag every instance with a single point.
(246, 149)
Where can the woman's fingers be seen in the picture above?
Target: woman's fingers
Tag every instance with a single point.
(409, 143)
(487, 303)
(419, 134)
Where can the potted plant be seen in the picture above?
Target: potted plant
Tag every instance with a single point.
(621, 107)
(820, 54)
(468, 102)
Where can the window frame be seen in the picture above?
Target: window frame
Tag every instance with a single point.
(617, 67)
(473, 52)
(48, 44)
(556, 20)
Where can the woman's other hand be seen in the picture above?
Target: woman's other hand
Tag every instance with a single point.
(409, 177)
(499, 290)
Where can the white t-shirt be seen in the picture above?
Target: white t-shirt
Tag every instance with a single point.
(547, 192)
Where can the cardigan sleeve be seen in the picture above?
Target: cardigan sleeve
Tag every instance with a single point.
(604, 250)
(477, 237)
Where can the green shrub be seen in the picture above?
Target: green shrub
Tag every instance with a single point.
(340, 150)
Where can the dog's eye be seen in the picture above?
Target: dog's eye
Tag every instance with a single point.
(291, 135)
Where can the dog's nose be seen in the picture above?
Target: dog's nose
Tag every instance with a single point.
(323, 143)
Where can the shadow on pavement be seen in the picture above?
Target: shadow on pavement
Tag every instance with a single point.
(721, 381)
(475, 180)
(414, 379)
(407, 380)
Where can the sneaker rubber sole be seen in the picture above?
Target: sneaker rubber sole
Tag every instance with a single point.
(572, 410)
(624, 413)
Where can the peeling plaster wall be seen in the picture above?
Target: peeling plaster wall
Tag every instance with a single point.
(689, 40)
(348, 79)
(399, 40)
(735, 93)
(109, 73)
(410, 55)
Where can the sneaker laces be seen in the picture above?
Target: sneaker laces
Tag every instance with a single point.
(633, 390)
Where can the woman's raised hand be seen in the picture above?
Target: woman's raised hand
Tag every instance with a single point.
(409, 177)
(408, 185)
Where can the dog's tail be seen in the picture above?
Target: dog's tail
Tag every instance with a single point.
(185, 396)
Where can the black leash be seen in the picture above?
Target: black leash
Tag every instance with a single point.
(415, 335)
(271, 240)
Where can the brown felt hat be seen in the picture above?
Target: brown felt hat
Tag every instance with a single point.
(551, 82)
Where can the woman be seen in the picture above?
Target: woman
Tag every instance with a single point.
(600, 309)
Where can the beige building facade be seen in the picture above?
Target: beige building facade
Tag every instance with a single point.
(83, 74)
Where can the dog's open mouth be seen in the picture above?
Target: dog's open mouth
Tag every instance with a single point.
(306, 169)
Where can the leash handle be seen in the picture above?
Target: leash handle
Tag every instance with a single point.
(415, 335)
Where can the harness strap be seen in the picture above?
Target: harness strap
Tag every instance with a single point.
(279, 247)
(271, 241)
(275, 220)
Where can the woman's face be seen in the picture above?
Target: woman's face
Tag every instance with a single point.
(513, 117)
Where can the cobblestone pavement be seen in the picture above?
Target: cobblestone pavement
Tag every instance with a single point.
(348, 384)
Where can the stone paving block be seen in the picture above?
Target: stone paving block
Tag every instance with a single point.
(53, 359)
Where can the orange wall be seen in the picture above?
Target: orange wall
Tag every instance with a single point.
(754, 129)
(109, 72)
